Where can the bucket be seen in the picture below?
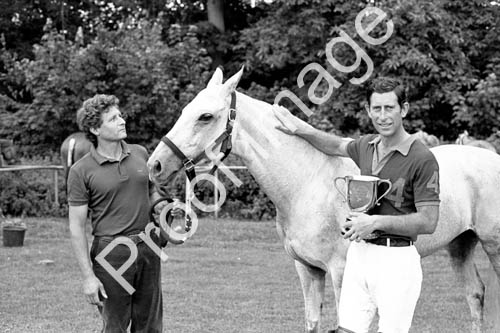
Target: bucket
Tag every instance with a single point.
(13, 236)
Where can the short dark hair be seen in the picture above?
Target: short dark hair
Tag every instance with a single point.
(384, 84)
(89, 116)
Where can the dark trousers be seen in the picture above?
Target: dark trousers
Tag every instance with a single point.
(143, 309)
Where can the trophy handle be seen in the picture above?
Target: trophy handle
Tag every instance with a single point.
(388, 182)
(338, 189)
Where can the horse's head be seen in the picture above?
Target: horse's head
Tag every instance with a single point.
(201, 122)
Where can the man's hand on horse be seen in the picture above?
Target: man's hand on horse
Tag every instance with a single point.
(358, 226)
(288, 122)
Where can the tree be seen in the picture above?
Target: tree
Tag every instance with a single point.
(215, 13)
(441, 49)
(447, 52)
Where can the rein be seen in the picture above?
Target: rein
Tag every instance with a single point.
(225, 138)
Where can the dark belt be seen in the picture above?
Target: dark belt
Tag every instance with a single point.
(390, 242)
(133, 237)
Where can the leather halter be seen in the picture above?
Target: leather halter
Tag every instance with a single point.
(225, 138)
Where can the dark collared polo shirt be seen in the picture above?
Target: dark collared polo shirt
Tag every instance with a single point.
(411, 167)
(117, 192)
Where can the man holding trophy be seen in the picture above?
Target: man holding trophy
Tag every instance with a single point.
(395, 199)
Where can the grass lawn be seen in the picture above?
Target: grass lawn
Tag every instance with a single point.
(231, 276)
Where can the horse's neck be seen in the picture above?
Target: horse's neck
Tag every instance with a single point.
(283, 165)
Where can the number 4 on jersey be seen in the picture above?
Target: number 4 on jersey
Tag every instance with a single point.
(434, 182)
(396, 194)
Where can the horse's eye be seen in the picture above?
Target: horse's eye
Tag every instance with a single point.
(206, 117)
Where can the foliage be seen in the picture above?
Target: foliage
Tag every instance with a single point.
(153, 80)
(31, 193)
(441, 49)
(435, 49)
(482, 104)
(22, 21)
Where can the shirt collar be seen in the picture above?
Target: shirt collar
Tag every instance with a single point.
(101, 159)
(403, 147)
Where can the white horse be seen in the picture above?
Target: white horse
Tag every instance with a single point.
(299, 180)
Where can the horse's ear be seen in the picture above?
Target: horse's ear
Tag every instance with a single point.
(216, 78)
(231, 84)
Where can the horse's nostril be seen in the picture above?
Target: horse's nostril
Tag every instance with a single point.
(156, 167)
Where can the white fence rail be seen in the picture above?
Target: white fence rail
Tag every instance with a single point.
(56, 168)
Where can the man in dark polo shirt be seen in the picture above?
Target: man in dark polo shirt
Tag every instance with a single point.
(382, 275)
(112, 182)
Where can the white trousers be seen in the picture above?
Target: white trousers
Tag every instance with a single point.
(383, 279)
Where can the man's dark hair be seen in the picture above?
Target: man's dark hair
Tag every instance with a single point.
(89, 116)
(384, 85)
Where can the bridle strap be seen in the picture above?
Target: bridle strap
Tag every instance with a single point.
(226, 137)
(188, 163)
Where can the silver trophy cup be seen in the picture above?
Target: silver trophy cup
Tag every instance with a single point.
(361, 193)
